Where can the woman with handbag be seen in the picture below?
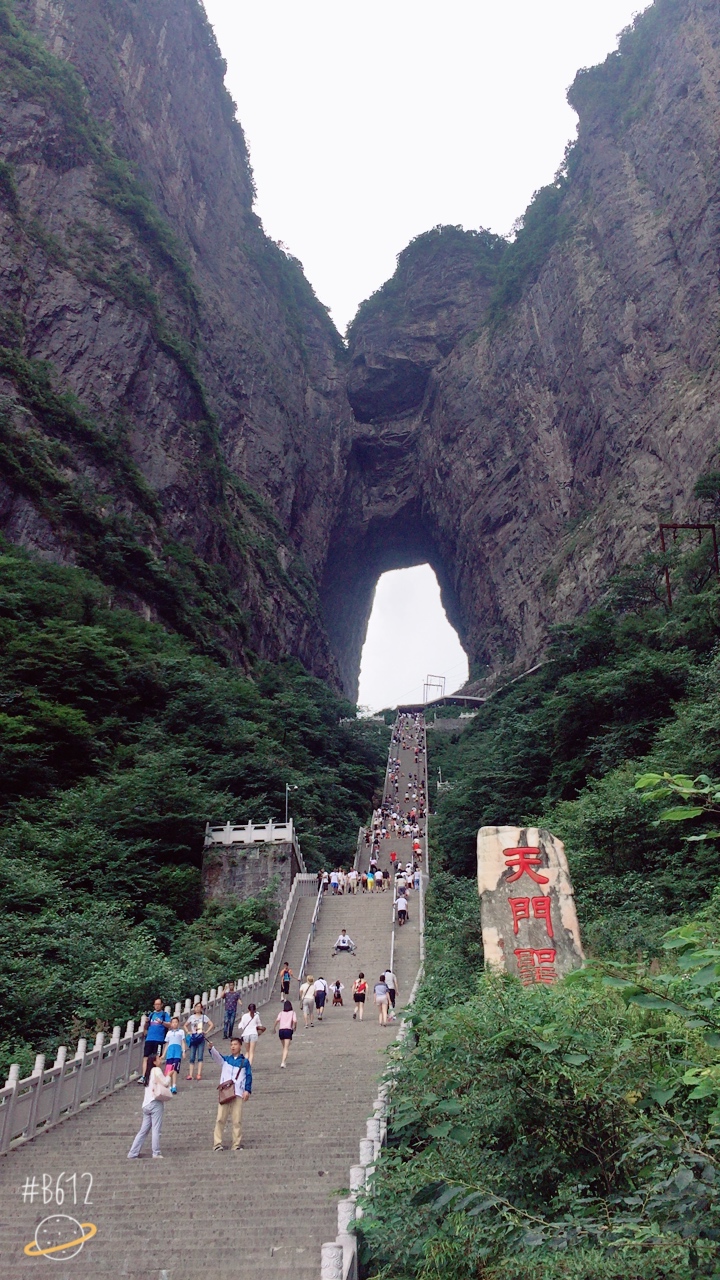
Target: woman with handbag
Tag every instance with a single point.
(234, 1087)
(249, 1028)
(157, 1093)
(307, 999)
(197, 1026)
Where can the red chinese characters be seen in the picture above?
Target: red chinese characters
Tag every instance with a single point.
(536, 964)
(541, 910)
(524, 861)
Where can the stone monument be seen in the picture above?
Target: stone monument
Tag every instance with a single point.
(529, 922)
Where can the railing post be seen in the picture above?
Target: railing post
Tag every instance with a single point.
(97, 1065)
(79, 1070)
(6, 1112)
(129, 1037)
(37, 1076)
(331, 1261)
(60, 1057)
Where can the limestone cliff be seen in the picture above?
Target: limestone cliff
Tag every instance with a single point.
(178, 412)
(579, 400)
(199, 465)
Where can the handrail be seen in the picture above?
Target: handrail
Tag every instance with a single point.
(359, 847)
(48, 1096)
(311, 934)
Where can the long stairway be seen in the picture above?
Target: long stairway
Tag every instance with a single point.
(262, 1212)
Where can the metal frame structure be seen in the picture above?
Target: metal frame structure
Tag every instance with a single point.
(433, 682)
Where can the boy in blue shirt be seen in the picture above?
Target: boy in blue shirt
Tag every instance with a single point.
(236, 1067)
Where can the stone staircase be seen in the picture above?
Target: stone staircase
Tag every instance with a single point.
(262, 1212)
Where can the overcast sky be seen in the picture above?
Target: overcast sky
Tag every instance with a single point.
(370, 121)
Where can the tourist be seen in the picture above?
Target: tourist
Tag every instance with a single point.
(249, 1028)
(286, 1022)
(320, 991)
(364, 881)
(233, 1066)
(344, 943)
(307, 998)
(352, 880)
(285, 977)
(402, 910)
(231, 999)
(391, 982)
(382, 1000)
(337, 990)
(156, 1095)
(197, 1026)
(416, 877)
(157, 1025)
(371, 880)
(174, 1053)
(359, 992)
(334, 883)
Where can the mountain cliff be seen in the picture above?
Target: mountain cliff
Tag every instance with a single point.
(173, 415)
(556, 401)
(179, 414)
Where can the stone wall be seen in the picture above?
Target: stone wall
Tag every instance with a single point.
(244, 870)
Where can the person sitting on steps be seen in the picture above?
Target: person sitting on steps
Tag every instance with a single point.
(344, 943)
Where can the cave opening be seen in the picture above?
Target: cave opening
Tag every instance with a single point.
(409, 636)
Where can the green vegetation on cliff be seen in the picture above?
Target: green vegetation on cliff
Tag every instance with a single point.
(628, 688)
(118, 742)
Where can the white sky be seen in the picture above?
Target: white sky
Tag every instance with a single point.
(369, 121)
(408, 636)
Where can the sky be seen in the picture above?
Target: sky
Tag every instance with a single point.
(408, 634)
(369, 121)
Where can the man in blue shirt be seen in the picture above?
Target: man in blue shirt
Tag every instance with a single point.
(236, 1067)
(157, 1025)
(231, 1000)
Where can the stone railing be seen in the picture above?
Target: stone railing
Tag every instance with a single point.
(311, 934)
(265, 833)
(49, 1095)
(360, 848)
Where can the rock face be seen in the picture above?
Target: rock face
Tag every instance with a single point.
(191, 340)
(575, 410)
(178, 412)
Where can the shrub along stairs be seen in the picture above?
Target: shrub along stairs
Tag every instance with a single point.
(263, 1211)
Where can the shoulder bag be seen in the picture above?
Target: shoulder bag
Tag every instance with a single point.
(226, 1090)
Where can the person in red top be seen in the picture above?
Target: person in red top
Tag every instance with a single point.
(359, 992)
(393, 857)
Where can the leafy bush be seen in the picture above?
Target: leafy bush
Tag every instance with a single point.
(535, 1133)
